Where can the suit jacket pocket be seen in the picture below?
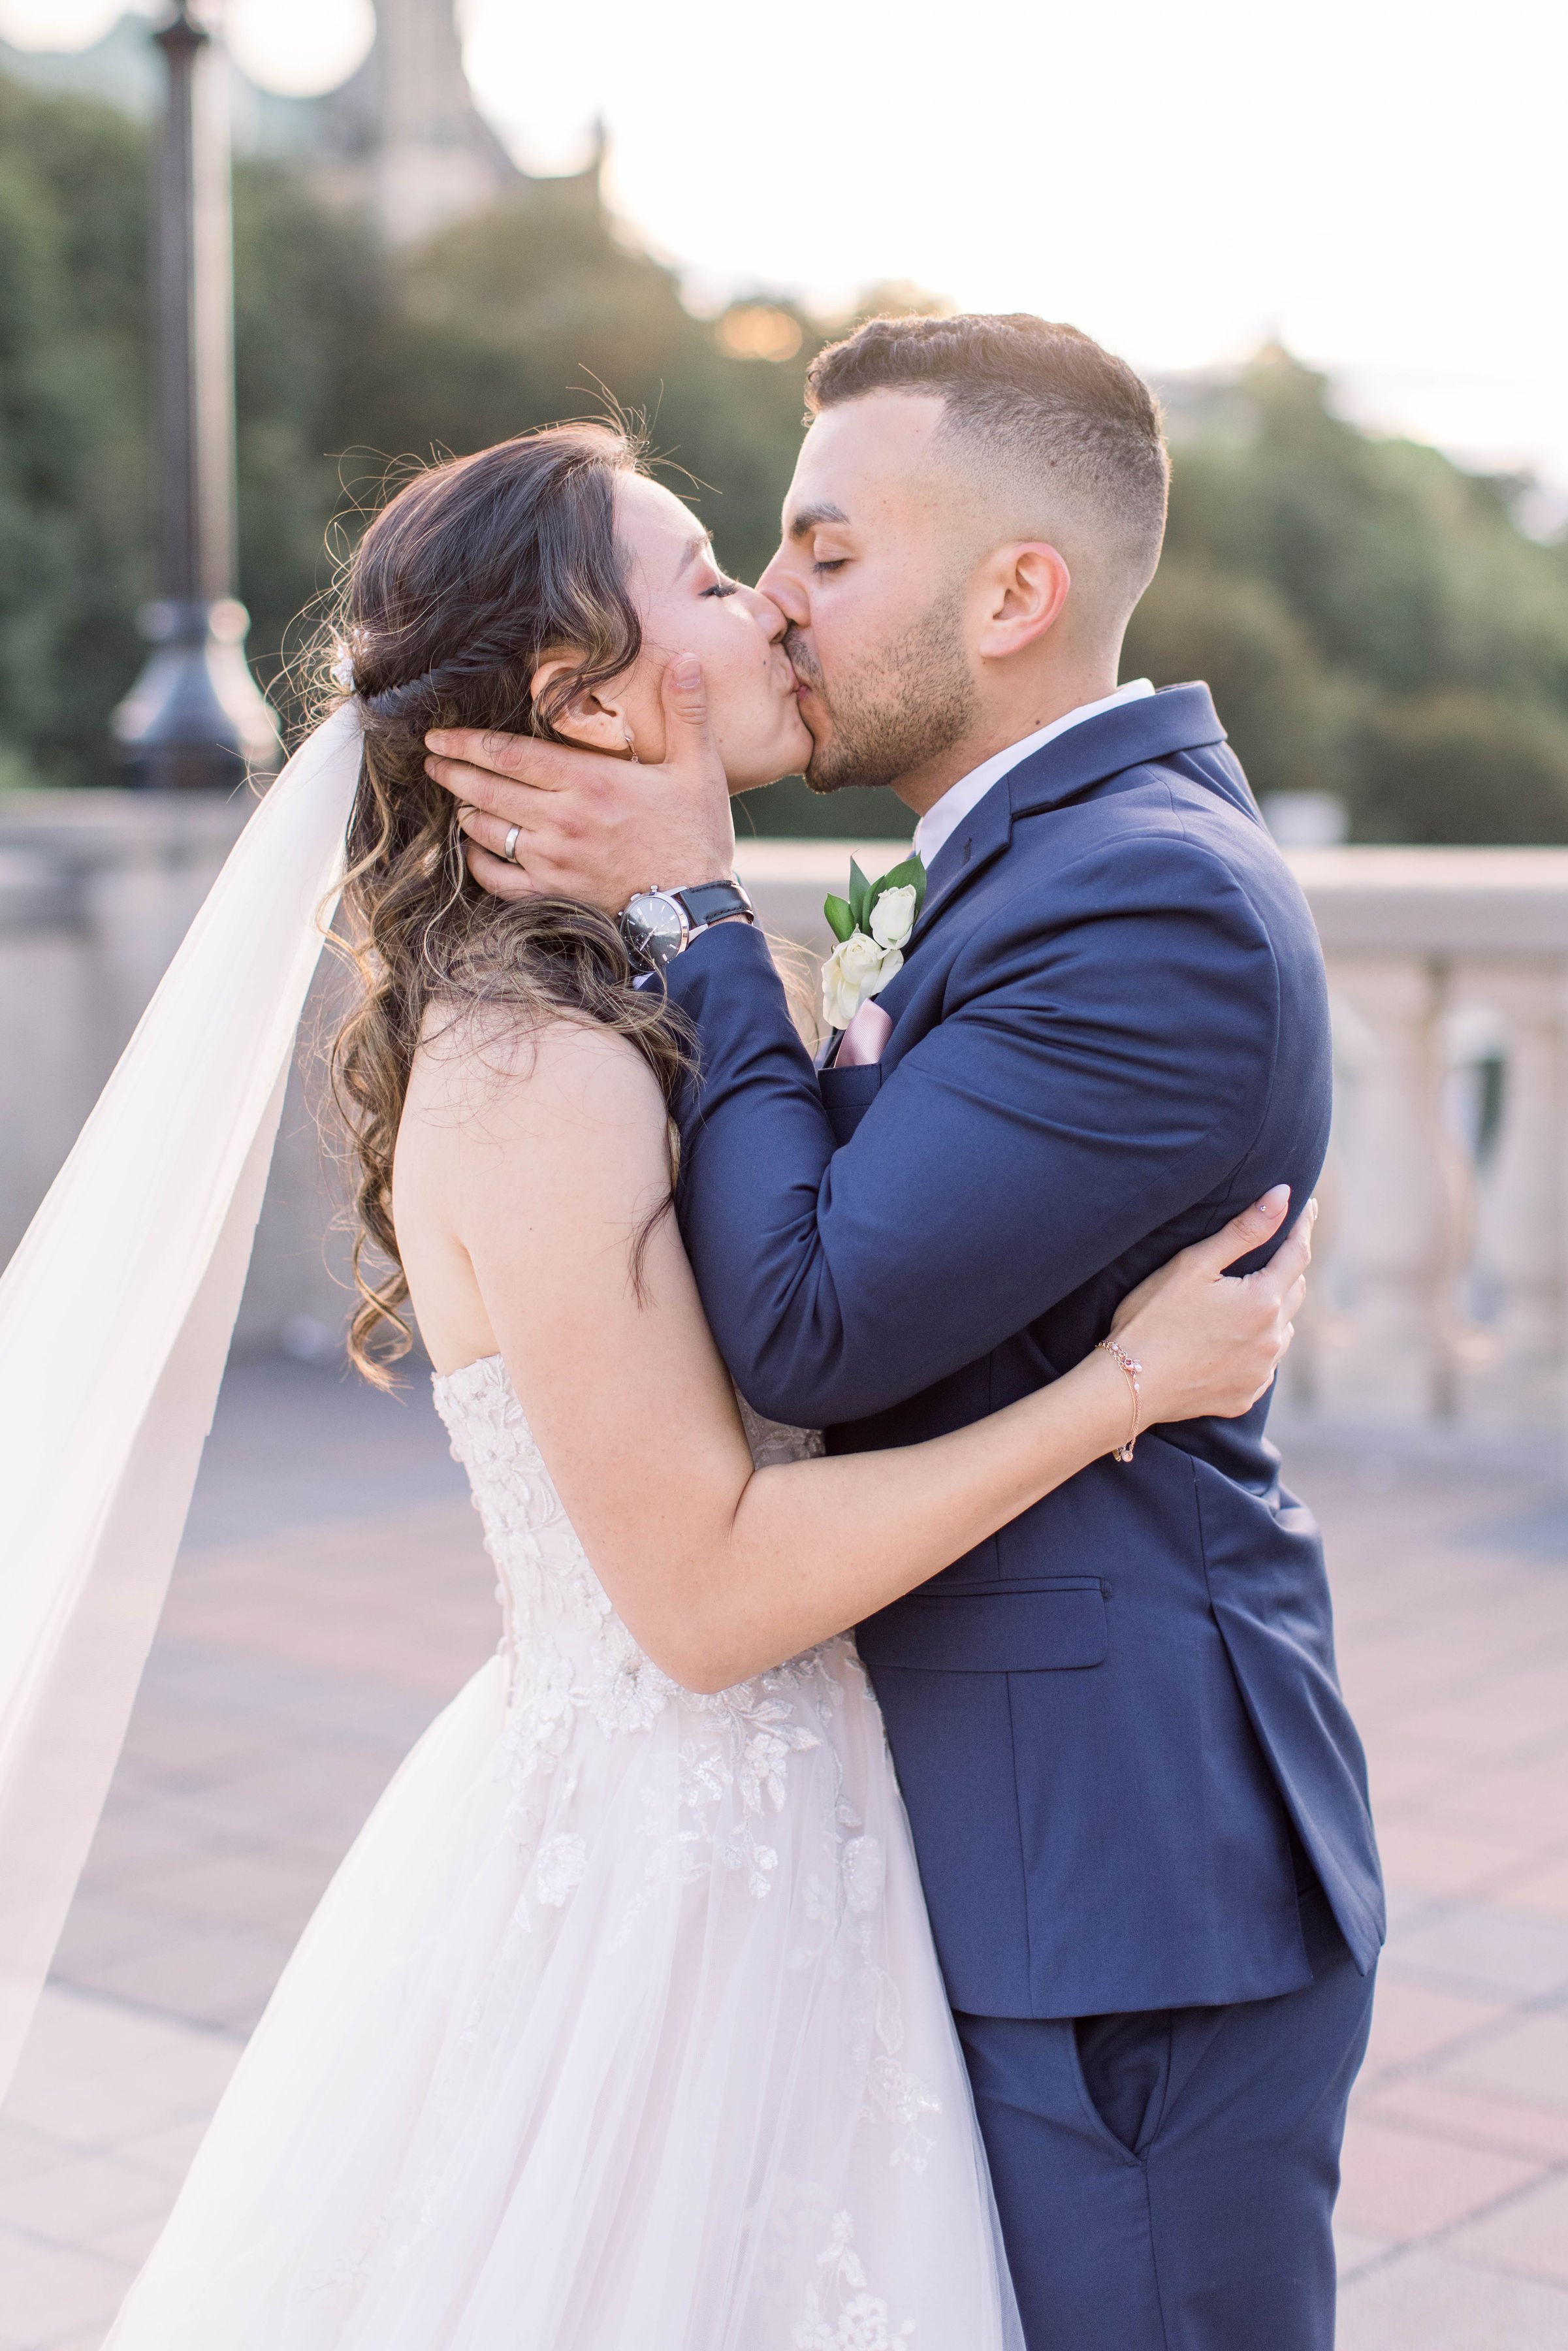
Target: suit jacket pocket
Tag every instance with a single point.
(1049, 1627)
(847, 1095)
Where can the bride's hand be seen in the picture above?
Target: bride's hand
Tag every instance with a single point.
(1209, 1342)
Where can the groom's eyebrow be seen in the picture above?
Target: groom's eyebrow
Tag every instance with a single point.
(806, 518)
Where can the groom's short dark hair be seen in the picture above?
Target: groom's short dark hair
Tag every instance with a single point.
(1026, 397)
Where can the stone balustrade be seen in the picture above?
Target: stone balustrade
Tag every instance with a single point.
(1446, 1197)
(97, 890)
(1441, 1289)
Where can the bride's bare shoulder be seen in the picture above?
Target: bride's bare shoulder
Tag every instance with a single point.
(518, 1148)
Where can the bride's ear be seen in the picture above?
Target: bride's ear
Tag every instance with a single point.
(595, 716)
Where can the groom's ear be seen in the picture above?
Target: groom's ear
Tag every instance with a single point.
(592, 717)
(1024, 584)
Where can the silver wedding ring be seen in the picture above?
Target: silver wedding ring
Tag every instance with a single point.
(509, 853)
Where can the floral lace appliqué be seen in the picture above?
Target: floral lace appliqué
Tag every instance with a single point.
(560, 1868)
(571, 1661)
(841, 2314)
(569, 1653)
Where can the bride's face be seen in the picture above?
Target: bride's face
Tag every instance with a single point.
(688, 605)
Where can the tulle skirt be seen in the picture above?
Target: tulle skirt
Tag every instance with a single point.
(646, 2051)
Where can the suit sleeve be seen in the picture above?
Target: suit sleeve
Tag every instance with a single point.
(1101, 1062)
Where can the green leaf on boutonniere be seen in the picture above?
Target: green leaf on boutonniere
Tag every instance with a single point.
(840, 918)
(860, 897)
(910, 874)
(847, 915)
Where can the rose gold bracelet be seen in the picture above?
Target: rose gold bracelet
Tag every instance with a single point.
(1132, 1367)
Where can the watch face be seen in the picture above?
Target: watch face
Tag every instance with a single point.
(651, 927)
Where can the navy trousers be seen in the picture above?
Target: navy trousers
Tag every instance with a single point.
(1166, 2179)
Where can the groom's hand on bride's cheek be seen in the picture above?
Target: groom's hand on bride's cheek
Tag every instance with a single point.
(545, 819)
(539, 820)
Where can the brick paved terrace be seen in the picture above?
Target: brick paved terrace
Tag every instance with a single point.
(331, 1595)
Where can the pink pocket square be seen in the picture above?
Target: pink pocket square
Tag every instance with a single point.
(864, 1037)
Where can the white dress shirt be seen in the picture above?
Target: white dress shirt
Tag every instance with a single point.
(941, 821)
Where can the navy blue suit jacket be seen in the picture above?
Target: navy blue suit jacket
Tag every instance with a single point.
(1110, 1032)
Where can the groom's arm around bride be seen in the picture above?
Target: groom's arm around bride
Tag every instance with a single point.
(1138, 1801)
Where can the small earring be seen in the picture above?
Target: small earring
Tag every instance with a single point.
(631, 745)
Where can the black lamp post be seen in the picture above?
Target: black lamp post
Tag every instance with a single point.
(195, 720)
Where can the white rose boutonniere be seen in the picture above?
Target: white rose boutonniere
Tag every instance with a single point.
(893, 915)
(872, 927)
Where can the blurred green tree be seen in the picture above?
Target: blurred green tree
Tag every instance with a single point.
(315, 329)
(1460, 766)
(1354, 600)
(536, 310)
(1287, 713)
(74, 557)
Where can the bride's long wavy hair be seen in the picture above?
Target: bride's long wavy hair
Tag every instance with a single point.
(464, 580)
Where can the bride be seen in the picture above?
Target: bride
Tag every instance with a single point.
(620, 2027)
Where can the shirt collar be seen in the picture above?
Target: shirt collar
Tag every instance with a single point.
(941, 821)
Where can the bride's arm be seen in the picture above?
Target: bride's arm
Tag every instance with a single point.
(721, 1570)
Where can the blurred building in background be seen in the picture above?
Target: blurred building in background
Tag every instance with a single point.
(402, 138)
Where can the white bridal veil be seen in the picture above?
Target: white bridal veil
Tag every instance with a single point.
(115, 1318)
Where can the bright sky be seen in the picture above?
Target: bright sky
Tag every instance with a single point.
(1378, 183)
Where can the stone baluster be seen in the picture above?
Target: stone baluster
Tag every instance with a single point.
(47, 1015)
(1392, 1256)
(1522, 1217)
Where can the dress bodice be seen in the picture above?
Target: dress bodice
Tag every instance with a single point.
(565, 1646)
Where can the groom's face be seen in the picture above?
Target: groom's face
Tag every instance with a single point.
(871, 577)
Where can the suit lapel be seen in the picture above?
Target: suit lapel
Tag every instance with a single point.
(980, 841)
(1178, 718)
(974, 848)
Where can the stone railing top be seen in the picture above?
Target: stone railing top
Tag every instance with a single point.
(1365, 901)
(811, 861)
(108, 827)
(1494, 903)
(1438, 901)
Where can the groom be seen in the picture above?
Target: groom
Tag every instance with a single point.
(1138, 1801)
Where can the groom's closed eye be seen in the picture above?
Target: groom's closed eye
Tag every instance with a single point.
(813, 526)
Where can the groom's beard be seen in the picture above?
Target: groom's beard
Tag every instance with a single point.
(917, 702)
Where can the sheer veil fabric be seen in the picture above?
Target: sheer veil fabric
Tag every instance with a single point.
(115, 1319)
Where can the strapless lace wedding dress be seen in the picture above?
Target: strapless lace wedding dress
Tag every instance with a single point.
(620, 2029)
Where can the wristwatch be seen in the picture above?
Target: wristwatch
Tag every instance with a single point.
(659, 925)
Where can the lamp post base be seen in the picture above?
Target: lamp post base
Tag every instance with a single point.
(194, 721)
